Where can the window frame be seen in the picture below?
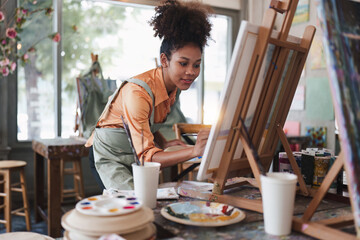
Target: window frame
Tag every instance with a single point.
(12, 85)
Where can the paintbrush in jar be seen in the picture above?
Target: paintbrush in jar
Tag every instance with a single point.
(142, 144)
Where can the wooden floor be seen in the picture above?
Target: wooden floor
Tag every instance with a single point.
(18, 222)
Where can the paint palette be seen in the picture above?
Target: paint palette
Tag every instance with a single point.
(102, 205)
(201, 213)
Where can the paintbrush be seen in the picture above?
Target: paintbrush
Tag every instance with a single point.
(127, 130)
(189, 134)
(142, 144)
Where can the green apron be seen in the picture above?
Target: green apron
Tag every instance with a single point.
(112, 151)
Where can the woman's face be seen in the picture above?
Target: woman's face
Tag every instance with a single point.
(183, 67)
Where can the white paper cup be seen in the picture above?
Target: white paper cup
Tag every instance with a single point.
(146, 181)
(278, 195)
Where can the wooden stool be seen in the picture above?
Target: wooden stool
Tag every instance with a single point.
(78, 190)
(6, 168)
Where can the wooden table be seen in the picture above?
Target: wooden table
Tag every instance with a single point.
(52, 150)
(252, 227)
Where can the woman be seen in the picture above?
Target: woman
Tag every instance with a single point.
(145, 100)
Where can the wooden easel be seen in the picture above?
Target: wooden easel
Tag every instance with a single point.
(261, 140)
(78, 113)
(94, 58)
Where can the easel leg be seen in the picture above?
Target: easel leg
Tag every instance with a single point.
(252, 161)
(351, 193)
(324, 229)
(292, 160)
(320, 231)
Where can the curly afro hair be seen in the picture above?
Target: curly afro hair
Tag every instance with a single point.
(180, 23)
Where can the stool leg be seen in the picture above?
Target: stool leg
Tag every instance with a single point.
(7, 200)
(25, 200)
(191, 176)
(161, 176)
(75, 179)
(62, 167)
(180, 169)
(79, 180)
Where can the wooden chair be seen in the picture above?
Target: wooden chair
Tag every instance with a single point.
(184, 130)
(7, 167)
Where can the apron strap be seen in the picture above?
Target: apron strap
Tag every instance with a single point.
(148, 89)
(141, 84)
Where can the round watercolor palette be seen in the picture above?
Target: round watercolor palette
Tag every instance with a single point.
(102, 205)
(202, 213)
(96, 226)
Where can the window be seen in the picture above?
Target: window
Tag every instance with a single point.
(35, 103)
(212, 79)
(120, 34)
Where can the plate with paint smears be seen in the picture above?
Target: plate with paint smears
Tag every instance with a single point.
(202, 213)
(102, 205)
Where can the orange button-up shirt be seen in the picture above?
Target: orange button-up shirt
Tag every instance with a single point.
(135, 105)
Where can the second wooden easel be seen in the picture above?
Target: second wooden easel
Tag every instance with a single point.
(260, 140)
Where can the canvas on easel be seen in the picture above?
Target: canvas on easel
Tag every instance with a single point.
(262, 79)
(243, 50)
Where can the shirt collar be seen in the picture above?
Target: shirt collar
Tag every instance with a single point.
(161, 94)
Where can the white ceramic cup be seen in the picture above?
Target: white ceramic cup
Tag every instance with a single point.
(146, 182)
(278, 196)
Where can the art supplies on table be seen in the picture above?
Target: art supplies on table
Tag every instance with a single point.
(284, 163)
(307, 166)
(102, 215)
(185, 188)
(202, 213)
(316, 164)
(194, 193)
(162, 193)
(321, 166)
(202, 190)
(313, 163)
(105, 205)
(167, 193)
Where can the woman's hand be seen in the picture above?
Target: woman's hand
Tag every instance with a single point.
(170, 158)
(201, 141)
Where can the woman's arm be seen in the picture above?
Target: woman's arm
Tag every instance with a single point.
(168, 159)
(159, 139)
(163, 143)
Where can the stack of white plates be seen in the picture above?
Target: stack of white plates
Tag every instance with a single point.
(101, 215)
